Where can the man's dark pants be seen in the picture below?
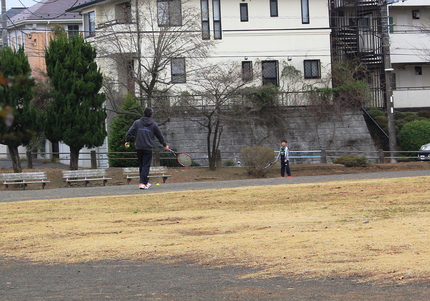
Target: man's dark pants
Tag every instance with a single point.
(144, 158)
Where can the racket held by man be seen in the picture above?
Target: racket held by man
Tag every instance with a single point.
(183, 159)
(270, 164)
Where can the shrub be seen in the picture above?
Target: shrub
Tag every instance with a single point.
(414, 134)
(255, 158)
(351, 161)
(229, 163)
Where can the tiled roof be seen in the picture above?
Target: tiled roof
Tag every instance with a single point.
(47, 10)
(83, 3)
(14, 11)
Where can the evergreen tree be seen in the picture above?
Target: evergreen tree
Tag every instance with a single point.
(118, 129)
(76, 114)
(16, 96)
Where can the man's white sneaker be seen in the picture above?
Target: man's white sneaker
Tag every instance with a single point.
(148, 186)
(142, 186)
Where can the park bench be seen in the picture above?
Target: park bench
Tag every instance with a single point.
(154, 172)
(24, 178)
(85, 175)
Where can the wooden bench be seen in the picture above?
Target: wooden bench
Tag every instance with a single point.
(154, 172)
(85, 175)
(24, 178)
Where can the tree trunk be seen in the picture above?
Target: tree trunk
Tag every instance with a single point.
(16, 161)
(74, 158)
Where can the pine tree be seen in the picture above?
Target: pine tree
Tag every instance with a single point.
(76, 114)
(118, 128)
(17, 95)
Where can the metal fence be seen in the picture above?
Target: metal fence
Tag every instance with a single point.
(101, 159)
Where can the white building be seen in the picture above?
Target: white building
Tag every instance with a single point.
(410, 53)
(260, 36)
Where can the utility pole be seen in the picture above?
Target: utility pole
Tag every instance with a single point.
(388, 69)
(4, 22)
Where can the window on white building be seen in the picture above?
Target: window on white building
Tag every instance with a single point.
(169, 12)
(206, 34)
(312, 69)
(216, 6)
(305, 12)
(416, 14)
(90, 24)
(418, 70)
(270, 72)
(178, 70)
(247, 71)
(123, 13)
(273, 8)
(243, 12)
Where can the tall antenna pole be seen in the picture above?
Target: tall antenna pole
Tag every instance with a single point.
(4, 23)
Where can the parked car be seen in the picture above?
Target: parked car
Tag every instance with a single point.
(424, 152)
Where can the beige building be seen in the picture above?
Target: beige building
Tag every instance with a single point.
(32, 28)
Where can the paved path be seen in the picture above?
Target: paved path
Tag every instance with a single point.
(39, 194)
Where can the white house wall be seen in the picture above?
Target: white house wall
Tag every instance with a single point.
(275, 38)
(410, 49)
(283, 38)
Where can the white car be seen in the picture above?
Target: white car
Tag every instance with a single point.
(424, 152)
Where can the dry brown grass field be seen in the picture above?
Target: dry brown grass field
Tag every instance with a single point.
(377, 230)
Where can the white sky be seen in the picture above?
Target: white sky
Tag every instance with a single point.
(20, 3)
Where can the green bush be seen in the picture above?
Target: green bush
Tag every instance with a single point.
(255, 158)
(351, 161)
(229, 163)
(118, 129)
(414, 134)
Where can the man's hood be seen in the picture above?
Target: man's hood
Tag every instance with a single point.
(147, 121)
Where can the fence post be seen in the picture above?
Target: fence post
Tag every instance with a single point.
(93, 160)
(323, 156)
(381, 156)
(156, 158)
(29, 160)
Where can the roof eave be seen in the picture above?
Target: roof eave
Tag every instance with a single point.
(79, 7)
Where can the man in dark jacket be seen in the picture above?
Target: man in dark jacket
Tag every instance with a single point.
(144, 130)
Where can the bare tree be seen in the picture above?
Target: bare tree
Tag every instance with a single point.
(141, 49)
(216, 91)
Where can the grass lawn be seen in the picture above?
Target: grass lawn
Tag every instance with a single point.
(375, 229)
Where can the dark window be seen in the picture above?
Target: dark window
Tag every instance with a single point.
(243, 12)
(416, 14)
(246, 71)
(270, 72)
(169, 12)
(216, 7)
(123, 13)
(305, 12)
(206, 34)
(178, 70)
(273, 8)
(72, 30)
(312, 69)
(130, 77)
(90, 24)
(418, 70)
